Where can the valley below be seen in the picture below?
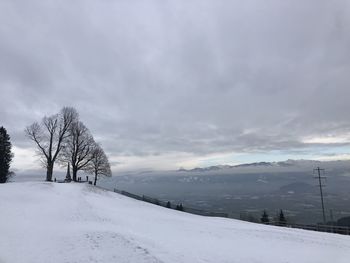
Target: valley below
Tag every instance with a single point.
(243, 192)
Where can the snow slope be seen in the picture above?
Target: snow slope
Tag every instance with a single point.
(49, 222)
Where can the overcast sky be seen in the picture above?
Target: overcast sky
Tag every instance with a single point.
(168, 84)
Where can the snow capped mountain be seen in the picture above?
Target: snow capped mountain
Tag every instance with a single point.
(283, 164)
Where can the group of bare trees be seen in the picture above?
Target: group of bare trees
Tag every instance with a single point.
(64, 138)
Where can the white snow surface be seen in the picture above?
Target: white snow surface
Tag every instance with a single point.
(51, 222)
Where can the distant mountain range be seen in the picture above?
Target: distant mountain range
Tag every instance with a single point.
(283, 164)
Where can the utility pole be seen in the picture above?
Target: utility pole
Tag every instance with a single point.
(319, 177)
(331, 215)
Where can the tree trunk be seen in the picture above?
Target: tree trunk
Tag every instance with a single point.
(95, 179)
(49, 172)
(75, 171)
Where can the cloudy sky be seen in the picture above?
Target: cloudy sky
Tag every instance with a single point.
(166, 84)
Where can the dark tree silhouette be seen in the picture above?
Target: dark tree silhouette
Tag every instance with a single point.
(50, 136)
(281, 219)
(68, 176)
(168, 204)
(180, 207)
(99, 164)
(5, 155)
(265, 218)
(78, 148)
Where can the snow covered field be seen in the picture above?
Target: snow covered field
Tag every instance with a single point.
(50, 222)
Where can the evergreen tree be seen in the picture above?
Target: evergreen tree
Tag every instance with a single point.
(5, 155)
(282, 220)
(265, 218)
(168, 204)
(180, 207)
(68, 176)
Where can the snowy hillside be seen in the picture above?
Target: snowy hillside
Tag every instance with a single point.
(48, 222)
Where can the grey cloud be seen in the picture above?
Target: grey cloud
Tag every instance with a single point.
(152, 77)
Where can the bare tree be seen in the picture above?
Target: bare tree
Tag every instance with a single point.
(50, 135)
(99, 165)
(78, 148)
